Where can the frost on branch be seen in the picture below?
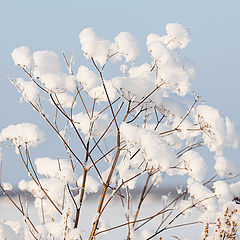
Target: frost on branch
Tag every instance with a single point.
(135, 128)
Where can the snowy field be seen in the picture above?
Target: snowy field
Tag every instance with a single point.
(114, 216)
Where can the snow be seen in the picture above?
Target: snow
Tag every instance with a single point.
(115, 211)
(7, 186)
(87, 78)
(137, 84)
(28, 89)
(98, 93)
(127, 46)
(206, 197)
(223, 167)
(126, 172)
(149, 147)
(56, 168)
(195, 165)
(217, 130)
(93, 85)
(222, 191)
(48, 70)
(98, 124)
(22, 134)
(64, 99)
(6, 232)
(22, 56)
(92, 185)
(177, 36)
(95, 47)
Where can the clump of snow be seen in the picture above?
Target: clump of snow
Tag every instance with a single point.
(235, 189)
(7, 186)
(127, 46)
(194, 165)
(201, 193)
(48, 70)
(56, 168)
(138, 84)
(22, 185)
(176, 78)
(87, 78)
(171, 69)
(155, 152)
(126, 173)
(75, 233)
(232, 136)
(170, 105)
(102, 49)
(158, 49)
(98, 93)
(95, 47)
(22, 57)
(217, 130)
(177, 36)
(28, 90)
(46, 62)
(52, 186)
(92, 84)
(64, 99)
(92, 185)
(222, 191)
(223, 167)
(96, 126)
(22, 134)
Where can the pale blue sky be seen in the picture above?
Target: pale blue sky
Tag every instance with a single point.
(55, 25)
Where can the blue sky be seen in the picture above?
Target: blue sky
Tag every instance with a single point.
(55, 25)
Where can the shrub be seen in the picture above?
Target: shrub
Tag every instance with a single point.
(140, 126)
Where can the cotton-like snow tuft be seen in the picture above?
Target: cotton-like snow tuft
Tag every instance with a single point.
(95, 47)
(22, 134)
(22, 56)
(87, 78)
(28, 90)
(217, 130)
(92, 185)
(177, 36)
(127, 46)
(47, 68)
(56, 168)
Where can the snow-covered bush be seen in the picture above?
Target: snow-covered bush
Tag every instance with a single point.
(138, 127)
